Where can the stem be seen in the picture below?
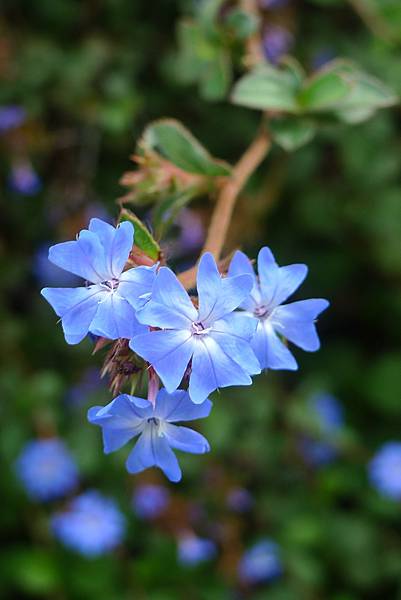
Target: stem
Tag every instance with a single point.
(223, 210)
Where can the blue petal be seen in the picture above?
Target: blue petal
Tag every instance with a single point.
(241, 265)
(270, 350)
(121, 420)
(115, 319)
(218, 297)
(136, 285)
(278, 283)
(83, 257)
(185, 439)
(152, 450)
(237, 348)
(169, 352)
(211, 369)
(295, 322)
(77, 308)
(117, 243)
(178, 406)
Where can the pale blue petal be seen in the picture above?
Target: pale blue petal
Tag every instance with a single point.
(115, 319)
(295, 322)
(278, 283)
(77, 308)
(136, 285)
(241, 265)
(169, 352)
(178, 406)
(218, 297)
(117, 243)
(160, 315)
(270, 350)
(79, 257)
(152, 450)
(212, 369)
(242, 325)
(238, 350)
(185, 439)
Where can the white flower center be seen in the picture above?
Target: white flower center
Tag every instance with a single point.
(111, 285)
(262, 312)
(197, 328)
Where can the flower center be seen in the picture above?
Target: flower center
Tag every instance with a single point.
(261, 312)
(198, 329)
(110, 284)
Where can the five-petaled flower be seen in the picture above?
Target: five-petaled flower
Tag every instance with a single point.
(128, 416)
(213, 337)
(106, 305)
(294, 321)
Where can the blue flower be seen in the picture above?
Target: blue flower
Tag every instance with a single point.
(92, 525)
(11, 116)
(127, 416)
(150, 500)
(385, 470)
(239, 499)
(193, 550)
(106, 306)
(276, 42)
(46, 469)
(294, 322)
(260, 563)
(320, 449)
(24, 180)
(212, 337)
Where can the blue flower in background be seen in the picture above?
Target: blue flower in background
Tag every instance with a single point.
(273, 4)
(46, 469)
(90, 383)
(385, 470)
(213, 337)
(328, 416)
(260, 563)
(239, 500)
(11, 116)
(150, 500)
(294, 322)
(276, 43)
(127, 417)
(92, 525)
(24, 180)
(106, 306)
(193, 550)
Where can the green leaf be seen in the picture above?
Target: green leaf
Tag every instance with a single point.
(216, 77)
(323, 91)
(292, 133)
(175, 143)
(165, 212)
(242, 23)
(143, 238)
(267, 88)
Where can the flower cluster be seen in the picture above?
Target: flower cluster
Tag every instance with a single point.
(236, 326)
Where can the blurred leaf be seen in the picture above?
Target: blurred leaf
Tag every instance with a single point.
(291, 133)
(216, 78)
(175, 143)
(33, 570)
(143, 239)
(266, 88)
(242, 23)
(165, 211)
(323, 91)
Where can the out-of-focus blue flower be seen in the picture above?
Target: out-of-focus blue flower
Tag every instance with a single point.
(213, 337)
(273, 4)
(92, 525)
(47, 273)
(150, 500)
(385, 470)
(11, 116)
(90, 383)
(46, 469)
(239, 500)
(193, 550)
(260, 563)
(294, 322)
(276, 42)
(128, 416)
(328, 416)
(106, 306)
(24, 180)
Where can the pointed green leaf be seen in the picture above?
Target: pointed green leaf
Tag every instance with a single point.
(143, 239)
(291, 133)
(323, 91)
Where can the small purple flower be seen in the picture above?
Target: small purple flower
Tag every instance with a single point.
(128, 416)
(92, 525)
(193, 550)
(294, 322)
(273, 4)
(24, 180)
(239, 500)
(319, 449)
(11, 117)
(46, 469)
(276, 43)
(150, 500)
(213, 338)
(260, 563)
(385, 470)
(107, 305)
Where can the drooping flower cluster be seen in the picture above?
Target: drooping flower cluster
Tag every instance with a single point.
(236, 326)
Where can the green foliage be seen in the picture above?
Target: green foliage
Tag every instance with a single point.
(143, 239)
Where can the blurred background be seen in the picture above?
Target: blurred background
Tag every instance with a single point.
(300, 496)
